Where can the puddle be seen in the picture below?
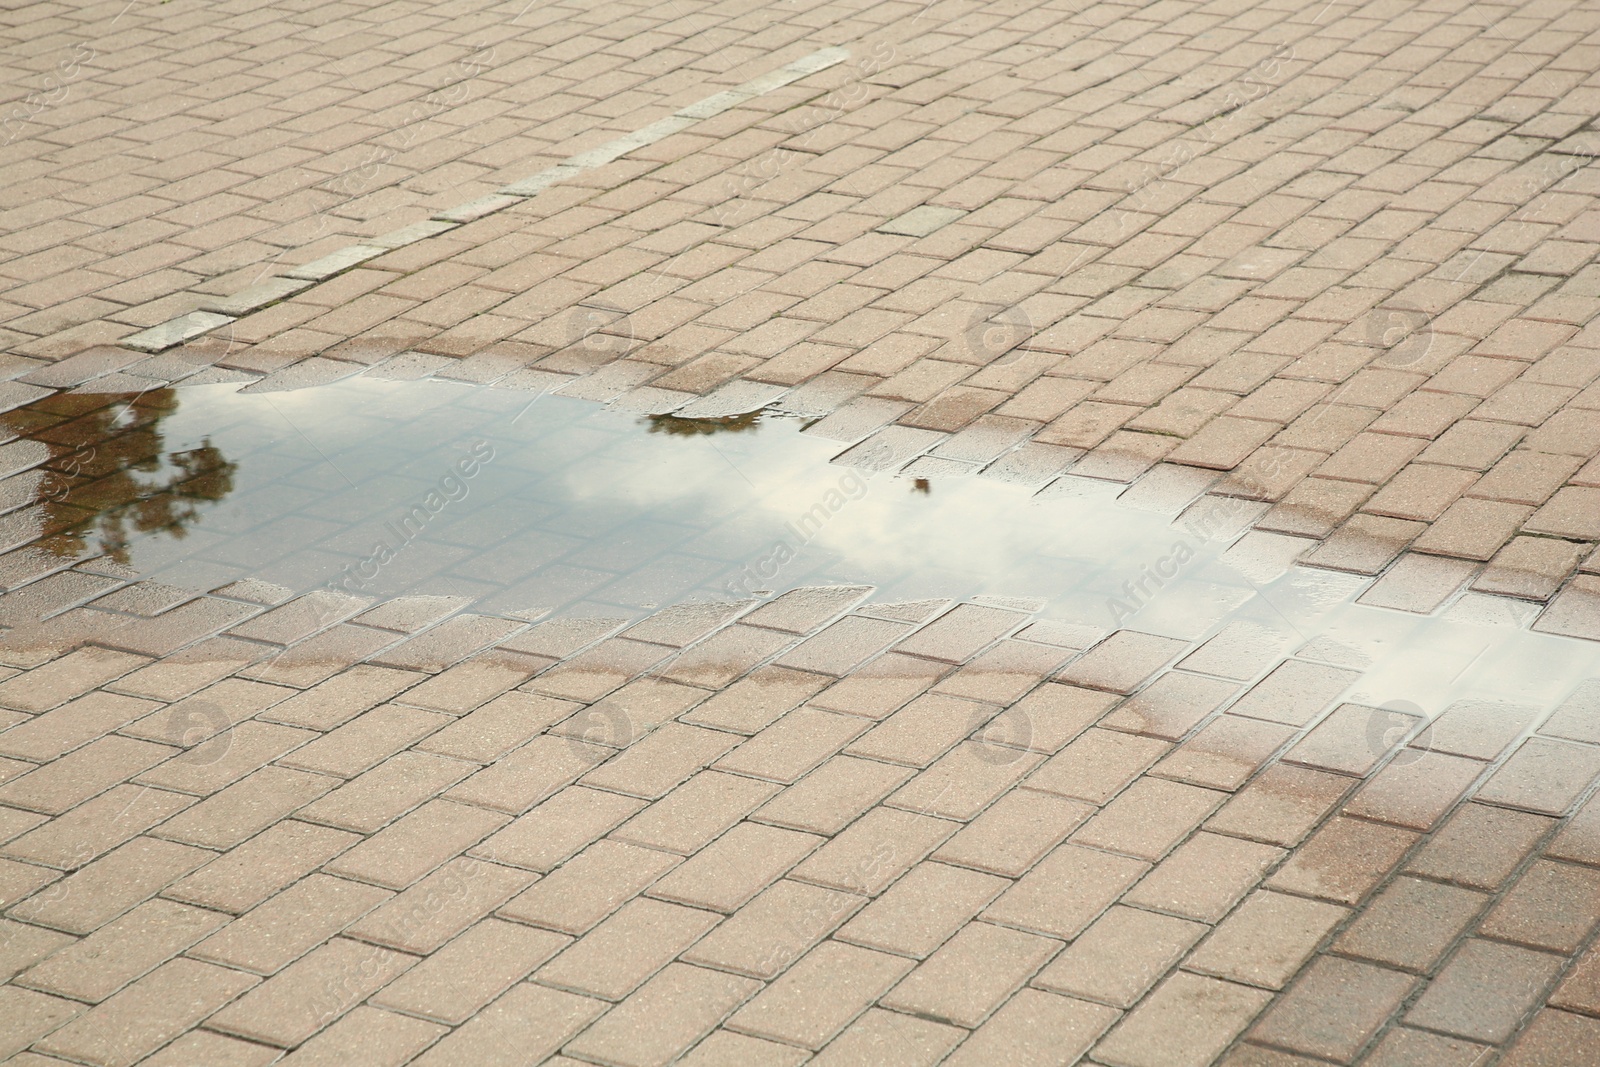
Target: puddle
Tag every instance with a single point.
(529, 506)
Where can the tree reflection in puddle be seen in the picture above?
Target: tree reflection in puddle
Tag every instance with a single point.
(109, 479)
(678, 426)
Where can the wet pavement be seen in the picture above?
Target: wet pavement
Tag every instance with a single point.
(960, 533)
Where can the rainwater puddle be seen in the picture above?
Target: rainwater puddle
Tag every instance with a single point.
(536, 505)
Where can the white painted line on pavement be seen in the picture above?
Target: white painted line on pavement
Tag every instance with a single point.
(185, 327)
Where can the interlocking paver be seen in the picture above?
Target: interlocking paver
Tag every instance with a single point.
(1322, 278)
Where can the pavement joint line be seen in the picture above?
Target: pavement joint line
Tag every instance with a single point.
(220, 311)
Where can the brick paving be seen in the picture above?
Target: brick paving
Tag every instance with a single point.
(1329, 260)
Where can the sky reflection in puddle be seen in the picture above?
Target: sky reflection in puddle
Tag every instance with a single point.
(551, 504)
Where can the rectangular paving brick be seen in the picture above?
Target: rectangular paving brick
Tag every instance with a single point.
(1343, 861)
(1334, 1008)
(668, 1014)
(972, 974)
(1411, 923)
(620, 954)
(589, 886)
(409, 848)
(1266, 939)
(121, 951)
(250, 873)
(779, 925)
(1035, 1027)
(1205, 876)
(542, 1020)
(696, 812)
(111, 885)
(148, 1014)
(1119, 663)
(819, 994)
(735, 867)
(829, 797)
(1185, 1022)
(1149, 818)
(311, 992)
(441, 905)
(875, 850)
(1066, 891)
(452, 983)
(542, 838)
(278, 931)
(1117, 960)
(1480, 846)
(1485, 991)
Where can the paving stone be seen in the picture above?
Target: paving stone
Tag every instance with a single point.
(370, 1034)
(409, 848)
(310, 993)
(1204, 877)
(250, 873)
(826, 800)
(1035, 1027)
(1542, 776)
(1480, 845)
(148, 1014)
(875, 850)
(1225, 752)
(1281, 805)
(1343, 861)
(971, 974)
(820, 994)
(527, 1022)
(889, 1037)
(1266, 939)
(1334, 1008)
(1149, 818)
(1484, 991)
(1117, 960)
(778, 926)
(1121, 662)
(543, 838)
(728, 872)
(1186, 1020)
(1065, 891)
(589, 886)
(440, 906)
(475, 968)
(1411, 923)
(278, 931)
(121, 951)
(1552, 906)
(618, 955)
(696, 812)
(1553, 1037)
(111, 885)
(1294, 693)
(672, 1011)
(1407, 1046)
